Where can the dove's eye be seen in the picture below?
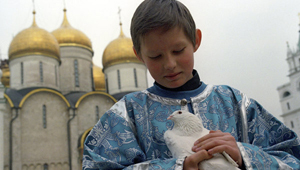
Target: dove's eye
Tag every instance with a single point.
(179, 112)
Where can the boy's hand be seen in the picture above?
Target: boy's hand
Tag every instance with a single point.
(217, 142)
(192, 162)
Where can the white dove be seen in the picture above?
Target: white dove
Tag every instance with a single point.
(180, 140)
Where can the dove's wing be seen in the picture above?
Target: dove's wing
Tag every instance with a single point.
(180, 146)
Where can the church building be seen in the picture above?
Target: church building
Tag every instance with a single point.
(52, 94)
(289, 93)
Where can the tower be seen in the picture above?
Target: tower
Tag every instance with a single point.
(34, 59)
(124, 73)
(289, 93)
(76, 56)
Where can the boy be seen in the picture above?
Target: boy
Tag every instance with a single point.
(130, 134)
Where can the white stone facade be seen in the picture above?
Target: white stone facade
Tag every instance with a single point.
(289, 93)
(83, 57)
(34, 71)
(126, 77)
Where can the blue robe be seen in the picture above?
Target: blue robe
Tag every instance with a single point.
(130, 134)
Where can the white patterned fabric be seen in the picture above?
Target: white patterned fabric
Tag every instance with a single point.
(130, 134)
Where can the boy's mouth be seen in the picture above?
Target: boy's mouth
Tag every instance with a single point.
(172, 76)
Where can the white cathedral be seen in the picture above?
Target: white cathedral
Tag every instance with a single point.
(289, 93)
(52, 94)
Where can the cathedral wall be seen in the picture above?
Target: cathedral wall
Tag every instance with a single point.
(7, 116)
(86, 118)
(67, 69)
(127, 78)
(52, 166)
(32, 74)
(44, 131)
(87, 112)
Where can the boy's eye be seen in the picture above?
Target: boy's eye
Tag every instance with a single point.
(179, 51)
(155, 57)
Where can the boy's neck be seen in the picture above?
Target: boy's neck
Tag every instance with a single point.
(192, 84)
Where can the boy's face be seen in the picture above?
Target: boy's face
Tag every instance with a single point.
(169, 56)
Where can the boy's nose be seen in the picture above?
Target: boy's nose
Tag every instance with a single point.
(170, 62)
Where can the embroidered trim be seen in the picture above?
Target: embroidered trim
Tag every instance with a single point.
(179, 163)
(120, 109)
(246, 159)
(203, 95)
(199, 98)
(165, 100)
(244, 107)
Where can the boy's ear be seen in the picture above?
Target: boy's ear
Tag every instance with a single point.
(198, 39)
(137, 55)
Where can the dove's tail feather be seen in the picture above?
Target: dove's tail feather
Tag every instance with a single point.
(229, 159)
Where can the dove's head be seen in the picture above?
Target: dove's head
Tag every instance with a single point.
(181, 115)
(186, 121)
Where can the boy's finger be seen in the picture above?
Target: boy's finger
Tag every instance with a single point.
(210, 135)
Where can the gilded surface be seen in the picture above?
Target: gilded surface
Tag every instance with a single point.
(99, 78)
(66, 35)
(34, 41)
(5, 76)
(119, 51)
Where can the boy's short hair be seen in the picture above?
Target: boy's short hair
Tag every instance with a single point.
(165, 14)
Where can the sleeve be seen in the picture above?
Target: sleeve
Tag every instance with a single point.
(113, 143)
(271, 145)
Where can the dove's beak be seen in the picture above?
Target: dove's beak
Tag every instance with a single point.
(169, 117)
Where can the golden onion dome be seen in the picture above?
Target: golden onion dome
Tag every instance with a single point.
(5, 74)
(66, 35)
(119, 51)
(99, 79)
(34, 41)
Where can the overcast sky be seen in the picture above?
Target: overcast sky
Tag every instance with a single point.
(243, 44)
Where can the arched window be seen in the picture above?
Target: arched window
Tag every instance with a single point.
(119, 79)
(45, 166)
(97, 114)
(22, 73)
(92, 78)
(55, 69)
(135, 77)
(106, 84)
(44, 117)
(76, 73)
(288, 106)
(41, 72)
(286, 94)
